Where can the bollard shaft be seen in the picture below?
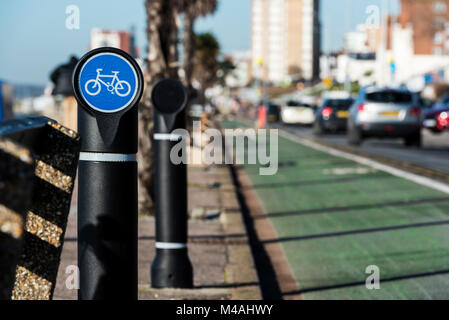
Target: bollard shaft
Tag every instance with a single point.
(171, 268)
(107, 211)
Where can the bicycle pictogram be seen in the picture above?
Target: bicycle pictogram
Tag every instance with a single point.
(121, 87)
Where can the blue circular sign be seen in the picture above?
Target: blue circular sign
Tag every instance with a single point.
(108, 82)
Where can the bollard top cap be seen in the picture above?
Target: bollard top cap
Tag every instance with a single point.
(169, 96)
(107, 81)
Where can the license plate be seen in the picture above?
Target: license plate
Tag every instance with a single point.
(430, 123)
(390, 114)
(343, 114)
(271, 117)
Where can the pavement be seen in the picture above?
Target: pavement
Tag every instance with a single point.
(218, 245)
(332, 218)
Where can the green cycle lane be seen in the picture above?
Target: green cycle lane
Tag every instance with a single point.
(334, 218)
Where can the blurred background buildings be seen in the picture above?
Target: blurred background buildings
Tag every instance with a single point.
(285, 39)
(409, 48)
(120, 39)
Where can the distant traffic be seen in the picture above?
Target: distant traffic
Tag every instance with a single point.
(374, 112)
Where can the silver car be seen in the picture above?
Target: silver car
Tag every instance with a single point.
(385, 113)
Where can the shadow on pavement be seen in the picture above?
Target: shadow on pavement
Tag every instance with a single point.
(361, 231)
(352, 208)
(269, 285)
(228, 285)
(362, 283)
(317, 182)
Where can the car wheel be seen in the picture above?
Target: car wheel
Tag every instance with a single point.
(414, 140)
(318, 129)
(355, 137)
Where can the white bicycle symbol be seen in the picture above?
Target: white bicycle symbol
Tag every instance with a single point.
(120, 87)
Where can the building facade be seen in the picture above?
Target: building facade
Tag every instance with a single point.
(123, 40)
(285, 40)
(429, 20)
(415, 46)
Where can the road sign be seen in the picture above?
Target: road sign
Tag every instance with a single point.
(392, 65)
(107, 82)
(328, 82)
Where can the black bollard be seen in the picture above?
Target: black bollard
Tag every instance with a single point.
(108, 85)
(171, 268)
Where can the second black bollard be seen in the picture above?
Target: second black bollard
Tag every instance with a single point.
(108, 85)
(171, 268)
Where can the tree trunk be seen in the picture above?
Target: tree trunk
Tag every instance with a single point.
(162, 34)
(189, 46)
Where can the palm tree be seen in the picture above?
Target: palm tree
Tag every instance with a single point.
(192, 10)
(162, 35)
(205, 62)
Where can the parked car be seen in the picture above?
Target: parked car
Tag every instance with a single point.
(273, 112)
(385, 113)
(295, 112)
(436, 119)
(332, 115)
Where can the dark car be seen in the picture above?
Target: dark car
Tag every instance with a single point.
(436, 119)
(332, 116)
(273, 111)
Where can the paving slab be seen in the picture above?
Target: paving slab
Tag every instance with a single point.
(218, 246)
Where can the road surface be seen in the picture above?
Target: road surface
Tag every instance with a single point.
(434, 153)
(337, 219)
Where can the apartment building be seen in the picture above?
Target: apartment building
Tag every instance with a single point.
(285, 39)
(113, 38)
(429, 20)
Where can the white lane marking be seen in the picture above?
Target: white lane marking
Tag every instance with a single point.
(345, 171)
(371, 163)
(170, 245)
(107, 157)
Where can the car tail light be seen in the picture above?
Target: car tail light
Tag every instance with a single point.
(326, 112)
(361, 107)
(443, 120)
(415, 111)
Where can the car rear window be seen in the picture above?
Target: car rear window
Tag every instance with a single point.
(293, 104)
(272, 107)
(339, 104)
(389, 97)
(298, 104)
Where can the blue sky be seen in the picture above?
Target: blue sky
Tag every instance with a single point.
(34, 37)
